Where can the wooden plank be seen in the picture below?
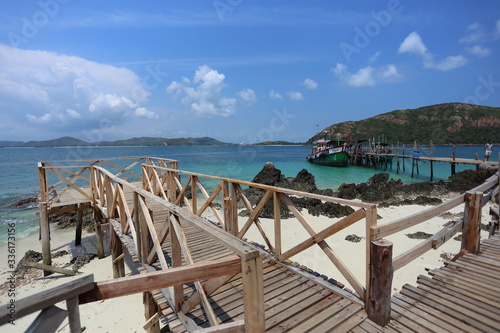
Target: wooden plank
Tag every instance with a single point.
(48, 297)
(160, 279)
(489, 309)
(423, 314)
(426, 313)
(453, 309)
(343, 321)
(233, 327)
(474, 269)
(49, 268)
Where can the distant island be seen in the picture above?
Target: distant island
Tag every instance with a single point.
(141, 141)
(448, 123)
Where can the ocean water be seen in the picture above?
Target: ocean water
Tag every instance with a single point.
(19, 178)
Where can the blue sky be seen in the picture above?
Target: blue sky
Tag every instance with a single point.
(236, 70)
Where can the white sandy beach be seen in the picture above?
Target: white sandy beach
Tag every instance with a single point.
(126, 314)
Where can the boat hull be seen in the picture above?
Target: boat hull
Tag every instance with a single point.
(340, 159)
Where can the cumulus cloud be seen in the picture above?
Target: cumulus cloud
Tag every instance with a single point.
(203, 93)
(497, 29)
(248, 95)
(142, 112)
(275, 95)
(310, 84)
(295, 95)
(390, 71)
(366, 76)
(66, 91)
(414, 44)
(363, 77)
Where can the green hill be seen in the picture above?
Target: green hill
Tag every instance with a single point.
(65, 141)
(450, 123)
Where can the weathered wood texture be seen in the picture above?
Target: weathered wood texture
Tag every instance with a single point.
(462, 296)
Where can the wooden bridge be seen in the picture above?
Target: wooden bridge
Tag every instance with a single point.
(200, 273)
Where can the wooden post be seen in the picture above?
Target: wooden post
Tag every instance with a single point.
(379, 305)
(116, 248)
(453, 156)
(253, 292)
(432, 171)
(45, 236)
(79, 225)
(176, 258)
(471, 231)
(72, 305)
(150, 310)
(99, 240)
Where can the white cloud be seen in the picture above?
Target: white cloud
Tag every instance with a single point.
(73, 114)
(479, 51)
(274, 95)
(413, 43)
(390, 71)
(450, 62)
(310, 84)
(497, 29)
(248, 95)
(475, 34)
(145, 113)
(66, 91)
(203, 93)
(295, 95)
(363, 77)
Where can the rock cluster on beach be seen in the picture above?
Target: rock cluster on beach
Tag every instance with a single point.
(379, 189)
(384, 191)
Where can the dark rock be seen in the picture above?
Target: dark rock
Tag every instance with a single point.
(29, 256)
(468, 179)
(80, 261)
(69, 219)
(354, 238)
(419, 235)
(60, 254)
(269, 175)
(29, 202)
(347, 191)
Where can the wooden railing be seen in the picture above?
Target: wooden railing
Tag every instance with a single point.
(74, 174)
(134, 223)
(229, 193)
(473, 200)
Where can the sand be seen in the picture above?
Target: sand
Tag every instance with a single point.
(125, 314)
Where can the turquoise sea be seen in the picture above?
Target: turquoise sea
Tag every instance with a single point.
(18, 169)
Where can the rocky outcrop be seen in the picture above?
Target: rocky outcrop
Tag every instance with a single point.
(389, 192)
(305, 182)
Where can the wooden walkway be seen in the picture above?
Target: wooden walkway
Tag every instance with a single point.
(296, 300)
(462, 296)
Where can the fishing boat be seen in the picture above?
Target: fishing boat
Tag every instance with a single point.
(329, 152)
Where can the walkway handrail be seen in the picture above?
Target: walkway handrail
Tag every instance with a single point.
(439, 238)
(166, 183)
(109, 198)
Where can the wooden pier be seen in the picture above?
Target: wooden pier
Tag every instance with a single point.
(383, 157)
(200, 273)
